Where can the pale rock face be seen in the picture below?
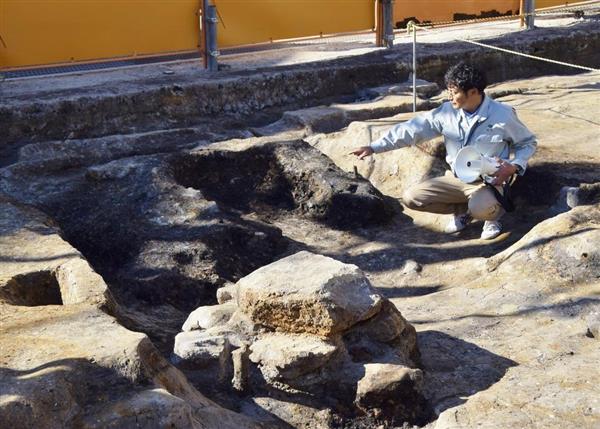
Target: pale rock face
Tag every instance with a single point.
(80, 283)
(201, 348)
(74, 377)
(593, 325)
(308, 293)
(565, 245)
(383, 381)
(208, 316)
(289, 356)
(227, 293)
(384, 327)
(152, 407)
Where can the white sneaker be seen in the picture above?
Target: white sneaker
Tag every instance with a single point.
(491, 229)
(458, 223)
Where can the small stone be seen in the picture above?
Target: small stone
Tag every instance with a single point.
(411, 267)
(240, 358)
(229, 292)
(199, 349)
(593, 326)
(208, 316)
(568, 198)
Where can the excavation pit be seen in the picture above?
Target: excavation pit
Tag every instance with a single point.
(278, 179)
(32, 290)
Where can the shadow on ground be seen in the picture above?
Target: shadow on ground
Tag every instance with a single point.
(455, 369)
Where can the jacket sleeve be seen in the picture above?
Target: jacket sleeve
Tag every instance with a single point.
(523, 142)
(419, 129)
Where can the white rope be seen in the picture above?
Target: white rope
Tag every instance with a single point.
(516, 52)
(579, 7)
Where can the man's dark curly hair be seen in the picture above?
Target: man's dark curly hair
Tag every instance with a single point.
(465, 77)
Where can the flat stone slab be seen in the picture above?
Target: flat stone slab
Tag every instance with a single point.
(289, 356)
(308, 293)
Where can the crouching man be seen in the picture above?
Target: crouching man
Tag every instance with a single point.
(469, 118)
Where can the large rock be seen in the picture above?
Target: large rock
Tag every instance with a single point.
(307, 293)
(566, 246)
(72, 365)
(306, 327)
(289, 356)
(201, 349)
(391, 391)
(388, 332)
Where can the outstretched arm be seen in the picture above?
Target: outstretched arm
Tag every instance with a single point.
(421, 128)
(362, 152)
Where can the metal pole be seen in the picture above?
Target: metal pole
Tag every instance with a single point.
(202, 28)
(388, 23)
(411, 27)
(211, 38)
(529, 10)
(379, 23)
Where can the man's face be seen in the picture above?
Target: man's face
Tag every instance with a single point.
(461, 99)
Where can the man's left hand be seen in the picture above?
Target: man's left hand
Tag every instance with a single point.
(505, 170)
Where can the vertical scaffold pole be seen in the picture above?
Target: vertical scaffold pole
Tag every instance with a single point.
(379, 23)
(211, 38)
(202, 30)
(384, 20)
(530, 11)
(388, 23)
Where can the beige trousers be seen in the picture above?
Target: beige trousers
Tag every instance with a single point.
(448, 195)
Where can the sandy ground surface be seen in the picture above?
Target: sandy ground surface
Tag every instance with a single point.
(344, 46)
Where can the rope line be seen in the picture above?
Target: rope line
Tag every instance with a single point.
(515, 52)
(583, 7)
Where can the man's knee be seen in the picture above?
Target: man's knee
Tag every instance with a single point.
(483, 205)
(411, 199)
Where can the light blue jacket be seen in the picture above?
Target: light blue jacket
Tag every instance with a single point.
(495, 130)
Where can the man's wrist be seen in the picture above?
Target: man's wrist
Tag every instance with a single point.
(518, 168)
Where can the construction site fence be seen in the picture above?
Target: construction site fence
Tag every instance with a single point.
(45, 32)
